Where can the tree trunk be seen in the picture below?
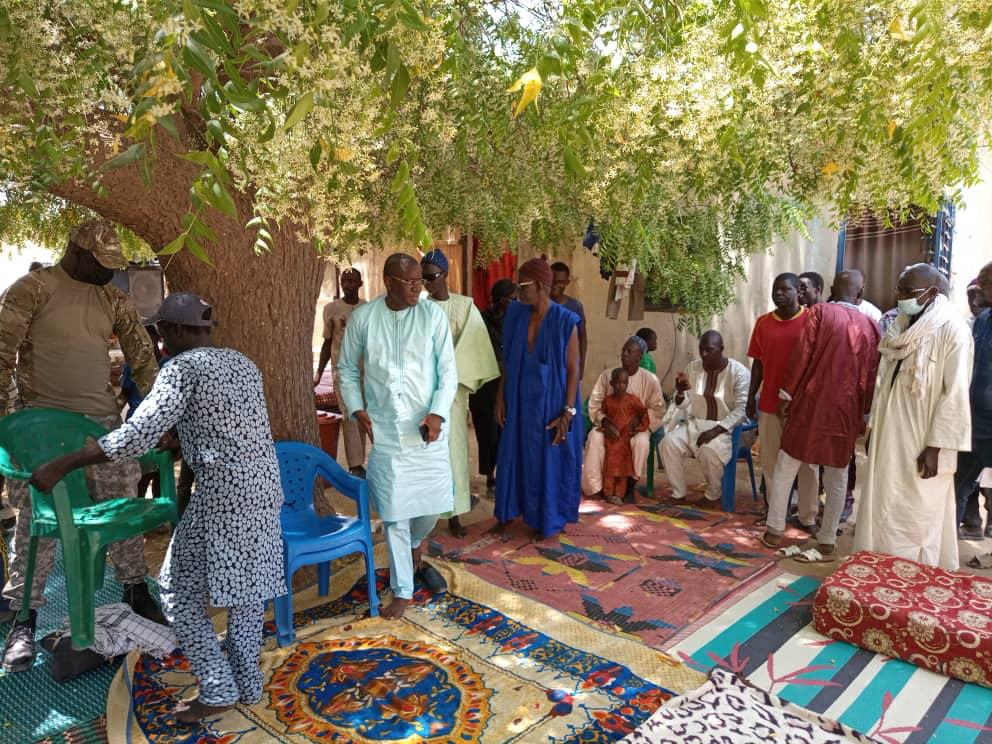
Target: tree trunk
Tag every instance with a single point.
(265, 304)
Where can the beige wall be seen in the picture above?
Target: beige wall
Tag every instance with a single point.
(972, 235)
(677, 347)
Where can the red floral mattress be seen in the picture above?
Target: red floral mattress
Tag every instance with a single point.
(937, 619)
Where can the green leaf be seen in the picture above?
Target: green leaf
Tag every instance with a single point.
(402, 174)
(194, 247)
(291, 5)
(320, 13)
(27, 84)
(168, 125)
(269, 133)
(200, 228)
(222, 200)
(573, 166)
(315, 152)
(174, 247)
(215, 128)
(301, 109)
(393, 59)
(212, 191)
(410, 17)
(393, 153)
(399, 86)
(199, 58)
(129, 157)
(243, 99)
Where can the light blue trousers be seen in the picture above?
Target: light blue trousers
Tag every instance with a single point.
(401, 538)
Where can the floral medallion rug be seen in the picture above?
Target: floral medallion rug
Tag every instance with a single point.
(475, 664)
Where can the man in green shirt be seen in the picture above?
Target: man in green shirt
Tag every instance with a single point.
(651, 339)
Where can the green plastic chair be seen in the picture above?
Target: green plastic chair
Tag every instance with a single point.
(33, 436)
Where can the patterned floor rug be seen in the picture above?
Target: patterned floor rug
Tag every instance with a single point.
(643, 571)
(33, 706)
(768, 637)
(473, 665)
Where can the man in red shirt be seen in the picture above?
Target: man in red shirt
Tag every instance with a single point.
(825, 395)
(774, 338)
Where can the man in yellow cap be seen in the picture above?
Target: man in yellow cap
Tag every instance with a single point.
(55, 329)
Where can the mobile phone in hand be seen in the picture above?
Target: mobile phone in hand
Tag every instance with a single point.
(424, 432)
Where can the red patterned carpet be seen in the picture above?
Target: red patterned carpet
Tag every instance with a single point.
(645, 571)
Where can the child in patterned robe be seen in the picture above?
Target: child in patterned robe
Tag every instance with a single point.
(628, 416)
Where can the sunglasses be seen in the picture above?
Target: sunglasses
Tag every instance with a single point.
(432, 277)
(408, 283)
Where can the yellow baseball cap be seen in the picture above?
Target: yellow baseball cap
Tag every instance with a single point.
(99, 238)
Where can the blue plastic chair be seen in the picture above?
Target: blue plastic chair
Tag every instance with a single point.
(310, 539)
(729, 484)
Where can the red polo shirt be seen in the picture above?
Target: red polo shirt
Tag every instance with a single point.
(772, 341)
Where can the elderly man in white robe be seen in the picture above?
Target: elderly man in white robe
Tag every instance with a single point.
(409, 384)
(643, 385)
(920, 420)
(710, 401)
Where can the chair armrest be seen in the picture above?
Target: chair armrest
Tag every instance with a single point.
(9, 470)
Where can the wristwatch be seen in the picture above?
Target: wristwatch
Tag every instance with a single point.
(570, 411)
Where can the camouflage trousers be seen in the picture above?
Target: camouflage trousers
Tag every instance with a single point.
(107, 481)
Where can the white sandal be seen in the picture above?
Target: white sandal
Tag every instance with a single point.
(812, 555)
(789, 551)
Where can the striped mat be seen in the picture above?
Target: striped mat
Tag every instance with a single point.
(768, 636)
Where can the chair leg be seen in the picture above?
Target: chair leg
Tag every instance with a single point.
(650, 469)
(370, 580)
(323, 578)
(80, 586)
(729, 484)
(284, 616)
(25, 610)
(750, 470)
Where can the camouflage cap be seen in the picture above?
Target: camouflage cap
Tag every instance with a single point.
(99, 238)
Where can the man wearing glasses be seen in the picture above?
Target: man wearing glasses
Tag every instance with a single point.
(920, 420)
(410, 381)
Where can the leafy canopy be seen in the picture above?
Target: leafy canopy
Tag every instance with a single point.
(692, 131)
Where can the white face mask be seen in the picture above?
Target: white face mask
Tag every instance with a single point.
(912, 306)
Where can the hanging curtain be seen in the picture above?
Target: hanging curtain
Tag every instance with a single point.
(484, 277)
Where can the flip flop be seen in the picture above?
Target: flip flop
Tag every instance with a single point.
(812, 555)
(981, 561)
(789, 551)
(767, 543)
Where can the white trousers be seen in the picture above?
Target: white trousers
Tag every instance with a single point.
(834, 484)
(402, 537)
(592, 461)
(713, 456)
(770, 442)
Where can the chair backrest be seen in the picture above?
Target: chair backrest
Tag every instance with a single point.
(299, 466)
(33, 436)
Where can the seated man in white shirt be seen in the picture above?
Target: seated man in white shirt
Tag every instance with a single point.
(709, 403)
(645, 386)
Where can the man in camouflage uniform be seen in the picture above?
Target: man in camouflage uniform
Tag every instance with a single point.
(55, 330)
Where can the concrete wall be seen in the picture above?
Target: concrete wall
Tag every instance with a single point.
(972, 235)
(676, 347)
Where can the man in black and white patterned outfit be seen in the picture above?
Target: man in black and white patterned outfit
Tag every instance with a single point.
(227, 549)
